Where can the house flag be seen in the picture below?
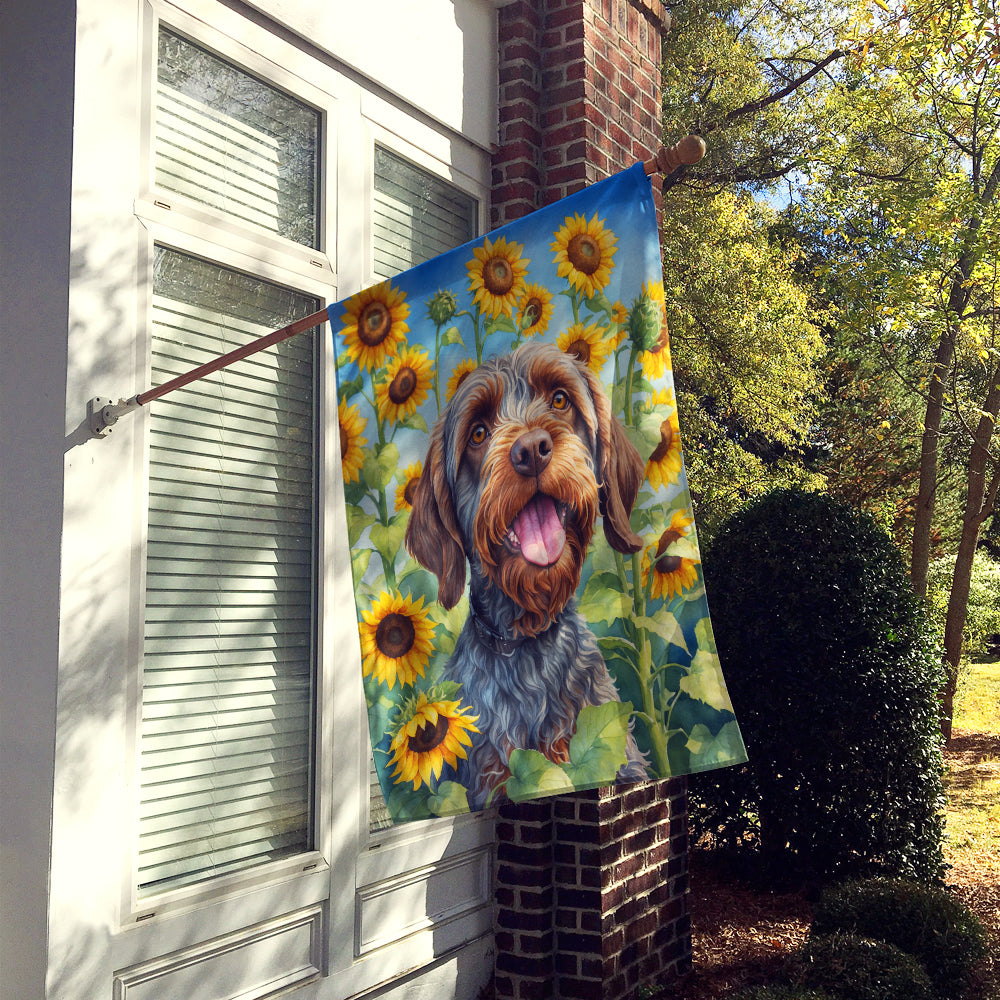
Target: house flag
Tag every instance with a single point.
(531, 611)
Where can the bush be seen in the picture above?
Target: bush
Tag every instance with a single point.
(834, 673)
(982, 620)
(856, 968)
(925, 922)
(782, 993)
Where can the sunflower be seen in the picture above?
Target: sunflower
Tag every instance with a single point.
(619, 316)
(374, 324)
(405, 386)
(672, 574)
(431, 732)
(587, 343)
(665, 464)
(534, 310)
(656, 361)
(351, 425)
(404, 492)
(583, 253)
(496, 276)
(458, 373)
(396, 640)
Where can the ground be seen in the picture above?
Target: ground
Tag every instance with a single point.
(741, 935)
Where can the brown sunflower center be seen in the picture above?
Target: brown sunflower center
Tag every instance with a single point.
(395, 635)
(345, 440)
(668, 564)
(532, 311)
(429, 735)
(374, 324)
(410, 490)
(584, 253)
(666, 442)
(581, 349)
(403, 384)
(664, 340)
(498, 276)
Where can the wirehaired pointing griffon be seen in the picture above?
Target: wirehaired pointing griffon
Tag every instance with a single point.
(520, 463)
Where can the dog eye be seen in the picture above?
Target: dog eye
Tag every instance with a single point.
(479, 434)
(560, 400)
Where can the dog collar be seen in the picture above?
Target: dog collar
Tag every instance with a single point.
(495, 641)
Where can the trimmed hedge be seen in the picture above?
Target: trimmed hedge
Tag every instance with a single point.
(857, 968)
(833, 672)
(924, 921)
(782, 993)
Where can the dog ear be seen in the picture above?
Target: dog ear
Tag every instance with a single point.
(620, 471)
(432, 535)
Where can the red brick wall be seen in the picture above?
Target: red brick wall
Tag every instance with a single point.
(579, 96)
(591, 889)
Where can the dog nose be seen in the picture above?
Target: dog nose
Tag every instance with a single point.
(531, 452)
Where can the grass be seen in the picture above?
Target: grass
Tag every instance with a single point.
(973, 817)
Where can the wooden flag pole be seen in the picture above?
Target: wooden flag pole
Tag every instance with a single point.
(103, 413)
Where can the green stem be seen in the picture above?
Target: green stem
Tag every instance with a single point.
(630, 375)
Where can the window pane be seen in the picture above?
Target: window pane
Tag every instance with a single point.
(228, 658)
(416, 217)
(231, 141)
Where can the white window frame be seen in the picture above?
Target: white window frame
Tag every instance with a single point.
(351, 875)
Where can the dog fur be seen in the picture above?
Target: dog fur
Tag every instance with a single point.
(521, 428)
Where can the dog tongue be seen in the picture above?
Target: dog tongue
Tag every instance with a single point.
(538, 529)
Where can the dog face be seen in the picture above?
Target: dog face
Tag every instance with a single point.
(520, 463)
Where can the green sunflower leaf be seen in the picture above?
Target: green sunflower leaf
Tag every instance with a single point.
(704, 679)
(404, 803)
(533, 774)
(708, 751)
(452, 336)
(357, 520)
(359, 562)
(380, 465)
(501, 322)
(388, 539)
(601, 602)
(450, 799)
(597, 749)
(666, 626)
(415, 421)
(350, 388)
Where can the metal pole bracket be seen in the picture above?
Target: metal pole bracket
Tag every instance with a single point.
(103, 413)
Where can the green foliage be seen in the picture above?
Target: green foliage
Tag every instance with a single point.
(780, 992)
(857, 968)
(983, 611)
(833, 673)
(924, 921)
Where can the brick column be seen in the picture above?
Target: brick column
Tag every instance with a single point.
(591, 890)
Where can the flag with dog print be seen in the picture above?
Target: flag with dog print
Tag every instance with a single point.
(531, 610)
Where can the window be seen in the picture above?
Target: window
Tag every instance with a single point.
(229, 645)
(227, 706)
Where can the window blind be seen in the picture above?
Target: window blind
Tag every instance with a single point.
(228, 654)
(228, 140)
(416, 216)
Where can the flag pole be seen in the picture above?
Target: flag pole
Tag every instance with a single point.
(103, 413)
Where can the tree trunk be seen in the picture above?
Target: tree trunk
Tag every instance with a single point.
(980, 498)
(920, 553)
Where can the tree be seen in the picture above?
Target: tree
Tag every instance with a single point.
(913, 180)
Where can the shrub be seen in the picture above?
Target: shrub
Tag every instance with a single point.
(856, 968)
(833, 672)
(982, 619)
(782, 993)
(925, 922)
